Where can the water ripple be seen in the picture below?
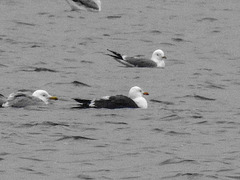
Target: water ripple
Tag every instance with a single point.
(178, 161)
(74, 138)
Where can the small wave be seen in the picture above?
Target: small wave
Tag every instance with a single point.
(214, 86)
(210, 19)
(203, 98)
(198, 97)
(4, 154)
(39, 69)
(196, 116)
(78, 83)
(75, 138)
(50, 150)
(84, 177)
(113, 122)
(167, 44)
(75, 83)
(26, 169)
(24, 23)
(32, 159)
(172, 117)
(177, 161)
(233, 177)
(158, 130)
(43, 13)
(202, 122)
(173, 133)
(162, 102)
(45, 123)
(106, 115)
(178, 39)
(2, 65)
(87, 62)
(188, 175)
(156, 32)
(114, 17)
(32, 171)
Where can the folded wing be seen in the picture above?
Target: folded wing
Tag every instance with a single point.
(112, 102)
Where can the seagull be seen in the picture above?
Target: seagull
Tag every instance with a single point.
(134, 99)
(21, 99)
(91, 5)
(157, 59)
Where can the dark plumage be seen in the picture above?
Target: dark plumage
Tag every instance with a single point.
(134, 99)
(112, 102)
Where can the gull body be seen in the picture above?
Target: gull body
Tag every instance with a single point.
(21, 99)
(157, 59)
(134, 99)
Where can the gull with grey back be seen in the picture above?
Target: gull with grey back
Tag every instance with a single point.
(20, 99)
(157, 59)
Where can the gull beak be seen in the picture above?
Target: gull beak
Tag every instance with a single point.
(53, 98)
(164, 57)
(145, 93)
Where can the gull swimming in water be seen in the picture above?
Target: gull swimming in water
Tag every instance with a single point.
(134, 99)
(157, 59)
(91, 5)
(20, 99)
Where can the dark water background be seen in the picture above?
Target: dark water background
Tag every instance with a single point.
(191, 129)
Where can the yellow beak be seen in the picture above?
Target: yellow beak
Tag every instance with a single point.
(145, 93)
(53, 98)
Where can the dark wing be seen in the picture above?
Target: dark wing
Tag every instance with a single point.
(115, 54)
(84, 103)
(87, 3)
(119, 58)
(113, 102)
(140, 62)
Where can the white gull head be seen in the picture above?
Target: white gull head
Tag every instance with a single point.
(158, 57)
(43, 95)
(136, 94)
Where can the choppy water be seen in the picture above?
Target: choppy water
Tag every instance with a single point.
(191, 128)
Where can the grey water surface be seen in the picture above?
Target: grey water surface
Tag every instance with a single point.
(191, 129)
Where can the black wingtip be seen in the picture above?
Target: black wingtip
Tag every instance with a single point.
(112, 56)
(115, 54)
(83, 101)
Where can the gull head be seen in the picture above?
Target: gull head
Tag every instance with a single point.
(44, 96)
(136, 92)
(158, 54)
(158, 57)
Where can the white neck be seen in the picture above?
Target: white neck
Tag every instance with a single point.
(160, 63)
(141, 102)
